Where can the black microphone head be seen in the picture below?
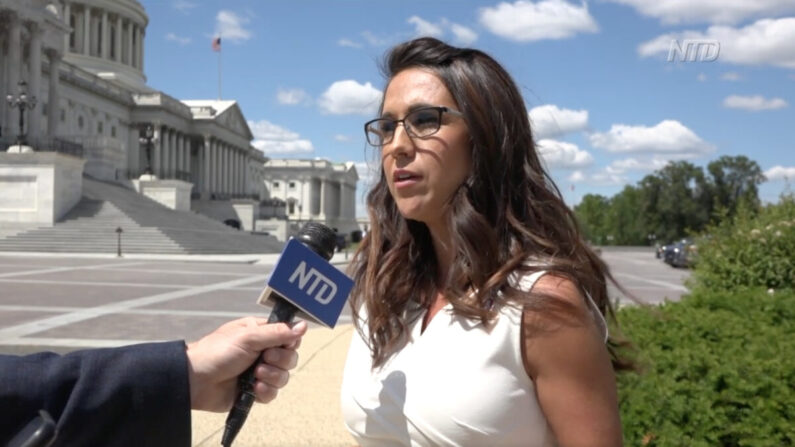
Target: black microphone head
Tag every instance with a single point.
(320, 238)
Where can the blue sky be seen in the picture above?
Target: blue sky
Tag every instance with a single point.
(607, 104)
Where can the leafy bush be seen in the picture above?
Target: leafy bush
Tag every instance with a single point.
(750, 250)
(718, 369)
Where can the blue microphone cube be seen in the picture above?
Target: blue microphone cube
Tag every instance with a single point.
(317, 288)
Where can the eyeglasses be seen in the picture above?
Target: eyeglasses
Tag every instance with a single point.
(420, 123)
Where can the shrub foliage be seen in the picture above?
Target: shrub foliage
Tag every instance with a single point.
(717, 369)
(750, 250)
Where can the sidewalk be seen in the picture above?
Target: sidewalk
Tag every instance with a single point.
(306, 412)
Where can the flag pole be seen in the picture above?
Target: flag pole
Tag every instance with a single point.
(220, 50)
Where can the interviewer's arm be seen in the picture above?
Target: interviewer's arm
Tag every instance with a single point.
(571, 368)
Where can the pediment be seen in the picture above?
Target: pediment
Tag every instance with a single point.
(232, 118)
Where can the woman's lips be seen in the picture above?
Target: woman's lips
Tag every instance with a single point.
(403, 178)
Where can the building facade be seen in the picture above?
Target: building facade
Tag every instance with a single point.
(315, 190)
(83, 60)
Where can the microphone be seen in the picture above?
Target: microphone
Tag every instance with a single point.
(304, 284)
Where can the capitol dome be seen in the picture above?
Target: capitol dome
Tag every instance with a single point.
(107, 39)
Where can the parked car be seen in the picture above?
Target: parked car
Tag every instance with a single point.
(681, 253)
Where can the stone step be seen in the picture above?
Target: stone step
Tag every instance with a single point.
(148, 227)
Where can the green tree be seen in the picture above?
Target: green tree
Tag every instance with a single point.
(676, 200)
(591, 214)
(734, 180)
(623, 221)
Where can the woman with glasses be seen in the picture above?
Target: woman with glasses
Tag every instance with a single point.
(478, 307)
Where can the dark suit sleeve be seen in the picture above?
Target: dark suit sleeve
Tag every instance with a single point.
(130, 396)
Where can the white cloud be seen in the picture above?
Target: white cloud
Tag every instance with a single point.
(673, 12)
(292, 96)
(633, 164)
(764, 42)
(560, 154)
(343, 138)
(425, 28)
(273, 139)
(348, 97)
(753, 103)
(668, 137)
(348, 43)
(701, 77)
(549, 121)
(600, 178)
(779, 172)
(178, 39)
(731, 76)
(576, 176)
(463, 35)
(374, 40)
(183, 6)
(231, 27)
(527, 21)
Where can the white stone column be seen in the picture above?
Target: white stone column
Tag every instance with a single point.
(130, 26)
(157, 152)
(67, 12)
(177, 152)
(86, 30)
(117, 49)
(105, 37)
(34, 115)
(217, 167)
(323, 188)
(204, 167)
(136, 44)
(15, 63)
(213, 165)
(54, 99)
(225, 169)
(188, 162)
(141, 39)
(239, 177)
(172, 147)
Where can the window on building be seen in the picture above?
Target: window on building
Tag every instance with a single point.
(291, 207)
(80, 122)
(74, 30)
(100, 128)
(63, 115)
(275, 185)
(292, 185)
(113, 131)
(112, 42)
(44, 109)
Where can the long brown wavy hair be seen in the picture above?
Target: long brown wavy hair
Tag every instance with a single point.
(507, 211)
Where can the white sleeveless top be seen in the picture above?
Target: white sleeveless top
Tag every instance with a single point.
(458, 383)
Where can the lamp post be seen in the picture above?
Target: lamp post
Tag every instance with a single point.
(22, 102)
(148, 139)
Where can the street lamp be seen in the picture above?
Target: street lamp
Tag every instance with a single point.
(148, 140)
(22, 102)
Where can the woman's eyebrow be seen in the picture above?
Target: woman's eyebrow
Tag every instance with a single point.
(413, 107)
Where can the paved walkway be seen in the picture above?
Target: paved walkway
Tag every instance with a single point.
(63, 303)
(306, 412)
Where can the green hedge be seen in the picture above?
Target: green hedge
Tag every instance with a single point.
(719, 371)
(751, 250)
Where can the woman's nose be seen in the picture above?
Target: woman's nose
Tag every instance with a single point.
(401, 143)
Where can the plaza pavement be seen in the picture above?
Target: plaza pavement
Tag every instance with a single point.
(66, 302)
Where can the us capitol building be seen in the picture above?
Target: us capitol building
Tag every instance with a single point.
(84, 63)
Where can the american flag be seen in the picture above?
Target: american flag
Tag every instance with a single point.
(217, 44)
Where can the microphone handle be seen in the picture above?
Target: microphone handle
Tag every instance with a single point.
(283, 312)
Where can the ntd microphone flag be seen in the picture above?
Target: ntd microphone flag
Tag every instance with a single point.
(311, 283)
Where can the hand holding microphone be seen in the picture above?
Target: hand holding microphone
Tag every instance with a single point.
(303, 284)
